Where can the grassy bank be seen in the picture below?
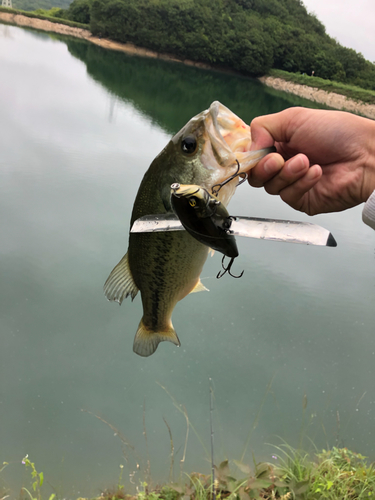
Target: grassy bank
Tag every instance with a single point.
(336, 474)
(350, 91)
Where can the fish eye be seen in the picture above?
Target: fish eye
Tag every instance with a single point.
(189, 144)
(192, 201)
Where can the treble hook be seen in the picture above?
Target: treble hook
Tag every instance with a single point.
(227, 269)
(243, 176)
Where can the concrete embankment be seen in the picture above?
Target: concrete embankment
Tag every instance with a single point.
(43, 25)
(331, 99)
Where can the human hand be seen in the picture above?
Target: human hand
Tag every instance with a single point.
(325, 160)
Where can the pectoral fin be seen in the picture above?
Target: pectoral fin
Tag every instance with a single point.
(120, 283)
(146, 341)
(199, 287)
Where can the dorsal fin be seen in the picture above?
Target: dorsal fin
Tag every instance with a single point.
(120, 283)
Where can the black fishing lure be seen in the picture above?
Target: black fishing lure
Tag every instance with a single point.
(204, 216)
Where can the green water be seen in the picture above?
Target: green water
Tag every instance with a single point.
(78, 128)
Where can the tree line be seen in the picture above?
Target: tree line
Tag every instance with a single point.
(250, 36)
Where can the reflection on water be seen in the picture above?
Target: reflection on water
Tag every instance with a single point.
(79, 127)
(175, 92)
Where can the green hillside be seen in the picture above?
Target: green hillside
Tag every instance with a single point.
(249, 36)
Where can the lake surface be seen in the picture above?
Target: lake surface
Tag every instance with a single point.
(79, 126)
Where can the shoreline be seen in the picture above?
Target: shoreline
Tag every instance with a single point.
(330, 99)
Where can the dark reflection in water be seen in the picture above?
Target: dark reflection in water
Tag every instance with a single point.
(169, 93)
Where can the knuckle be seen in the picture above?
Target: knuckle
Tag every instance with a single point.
(255, 183)
(271, 188)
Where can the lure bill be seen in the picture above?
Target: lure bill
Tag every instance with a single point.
(286, 231)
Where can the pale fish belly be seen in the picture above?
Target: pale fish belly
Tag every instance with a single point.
(165, 267)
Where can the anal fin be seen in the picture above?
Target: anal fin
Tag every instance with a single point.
(199, 287)
(120, 283)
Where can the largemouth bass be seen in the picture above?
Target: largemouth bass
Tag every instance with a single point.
(165, 266)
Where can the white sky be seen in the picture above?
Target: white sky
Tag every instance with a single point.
(351, 22)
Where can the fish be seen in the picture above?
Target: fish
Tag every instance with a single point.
(166, 266)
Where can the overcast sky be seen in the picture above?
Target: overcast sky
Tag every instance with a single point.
(351, 22)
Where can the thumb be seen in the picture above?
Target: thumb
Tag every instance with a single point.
(268, 129)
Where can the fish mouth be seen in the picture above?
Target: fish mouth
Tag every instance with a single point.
(227, 149)
(229, 135)
(230, 140)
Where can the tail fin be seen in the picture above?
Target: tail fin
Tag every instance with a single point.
(146, 341)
